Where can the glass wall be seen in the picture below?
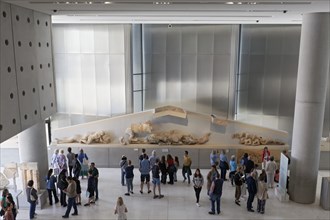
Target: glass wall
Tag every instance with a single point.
(92, 68)
(190, 66)
(267, 76)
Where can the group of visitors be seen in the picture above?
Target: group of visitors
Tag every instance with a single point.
(159, 168)
(8, 206)
(64, 176)
(65, 172)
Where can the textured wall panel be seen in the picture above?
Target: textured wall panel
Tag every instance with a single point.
(10, 123)
(88, 83)
(268, 65)
(102, 76)
(90, 68)
(44, 68)
(190, 66)
(26, 65)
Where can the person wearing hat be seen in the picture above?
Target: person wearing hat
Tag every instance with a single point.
(123, 165)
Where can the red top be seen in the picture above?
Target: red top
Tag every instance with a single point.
(265, 154)
(170, 162)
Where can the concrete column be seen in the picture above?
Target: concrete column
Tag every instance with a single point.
(312, 81)
(33, 148)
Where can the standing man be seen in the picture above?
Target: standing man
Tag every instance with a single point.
(186, 167)
(156, 179)
(95, 174)
(145, 172)
(71, 191)
(143, 154)
(71, 157)
(123, 165)
(215, 194)
(252, 189)
(32, 198)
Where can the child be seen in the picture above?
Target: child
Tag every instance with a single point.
(121, 209)
(177, 165)
(262, 194)
(90, 188)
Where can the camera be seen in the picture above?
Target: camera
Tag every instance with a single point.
(54, 10)
(285, 11)
(257, 21)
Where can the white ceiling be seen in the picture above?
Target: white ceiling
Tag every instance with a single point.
(176, 11)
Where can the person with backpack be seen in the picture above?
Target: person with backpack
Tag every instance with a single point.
(32, 198)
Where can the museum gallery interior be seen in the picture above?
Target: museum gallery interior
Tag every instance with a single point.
(114, 77)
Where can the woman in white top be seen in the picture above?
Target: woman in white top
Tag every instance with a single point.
(198, 181)
(121, 209)
(62, 161)
(54, 163)
(270, 170)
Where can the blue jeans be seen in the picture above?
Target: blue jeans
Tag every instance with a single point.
(71, 202)
(215, 199)
(129, 182)
(32, 209)
(250, 200)
(123, 177)
(223, 172)
(96, 182)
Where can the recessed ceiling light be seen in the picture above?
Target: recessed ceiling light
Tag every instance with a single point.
(229, 3)
(107, 3)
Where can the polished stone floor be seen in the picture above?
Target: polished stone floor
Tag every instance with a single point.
(178, 203)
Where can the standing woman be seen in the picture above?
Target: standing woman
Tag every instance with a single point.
(62, 161)
(54, 162)
(224, 166)
(170, 168)
(233, 168)
(3, 201)
(177, 165)
(83, 159)
(214, 158)
(51, 180)
(198, 182)
(11, 210)
(265, 157)
(270, 170)
(163, 170)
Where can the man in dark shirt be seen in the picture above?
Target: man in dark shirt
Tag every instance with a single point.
(142, 155)
(252, 189)
(249, 166)
(215, 194)
(156, 179)
(95, 174)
